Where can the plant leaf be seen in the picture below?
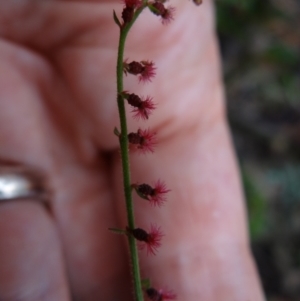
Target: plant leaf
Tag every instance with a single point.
(117, 20)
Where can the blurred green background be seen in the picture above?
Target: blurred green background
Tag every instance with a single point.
(260, 44)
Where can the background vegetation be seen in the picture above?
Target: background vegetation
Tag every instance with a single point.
(260, 42)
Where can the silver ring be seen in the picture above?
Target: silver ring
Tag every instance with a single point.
(19, 182)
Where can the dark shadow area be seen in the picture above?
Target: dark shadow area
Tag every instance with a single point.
(260, 43)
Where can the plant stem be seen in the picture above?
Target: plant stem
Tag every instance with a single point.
(125, 158)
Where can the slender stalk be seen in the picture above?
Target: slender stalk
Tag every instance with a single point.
(125, 158)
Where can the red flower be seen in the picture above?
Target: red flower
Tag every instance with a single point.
(152, 240)
(156, 195)
(148, 71)
(145, 69)
(166, 14)
(159, 295)
(144, 140)
(142, 107)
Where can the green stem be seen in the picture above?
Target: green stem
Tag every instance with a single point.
(125, 158)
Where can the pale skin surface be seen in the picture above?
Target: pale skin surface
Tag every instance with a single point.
(57, 113)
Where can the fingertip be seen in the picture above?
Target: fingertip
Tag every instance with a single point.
(31, 266)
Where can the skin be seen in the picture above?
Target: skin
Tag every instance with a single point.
(57, 113)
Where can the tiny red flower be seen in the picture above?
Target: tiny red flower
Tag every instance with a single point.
(156, 195)
(166, 14)
(167, 295)
(134, 67)
(160, 295)
(144, 140)
(154, 239)
(148, 72)
(144, 109)
(151, 240)
(145, 69)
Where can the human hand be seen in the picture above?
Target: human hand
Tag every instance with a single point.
(57, 113)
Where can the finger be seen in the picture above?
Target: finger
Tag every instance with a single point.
(95, 257)
(82, 204)
(55, 140)
(204, 253)
(31, 266)
(46, 25)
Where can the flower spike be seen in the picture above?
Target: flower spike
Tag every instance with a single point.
(140, 140)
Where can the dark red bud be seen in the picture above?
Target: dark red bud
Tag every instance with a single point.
(146, 189)
(139, 234)
(159, 8)
(127, 14)
(135, 68)
(153, 294)
(134, 100)
(135, 138)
